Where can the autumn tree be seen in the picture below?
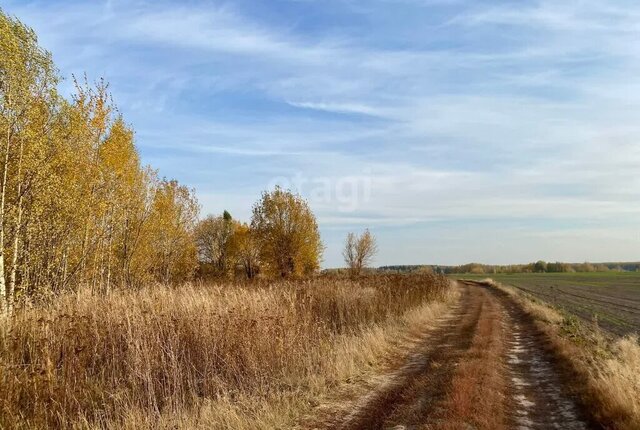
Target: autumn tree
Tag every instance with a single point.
(27, 104)
(171, 230)
(76, 205)
(359, 251)
(287, 234)
(244, 251)
(213, 234)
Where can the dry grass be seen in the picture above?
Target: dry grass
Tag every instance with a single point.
(475, 398)
(605, 371)
(222, 356)
(616, 383)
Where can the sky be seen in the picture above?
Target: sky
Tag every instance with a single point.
(455, 130)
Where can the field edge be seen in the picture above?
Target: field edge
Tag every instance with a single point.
(603, 371)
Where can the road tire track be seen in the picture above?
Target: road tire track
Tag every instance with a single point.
(426, 368)
(484, 367)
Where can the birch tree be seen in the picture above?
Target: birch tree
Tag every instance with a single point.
(27, 92)
(76, 205)
(174, 216)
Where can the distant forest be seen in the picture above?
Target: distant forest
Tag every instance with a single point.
(537, 267)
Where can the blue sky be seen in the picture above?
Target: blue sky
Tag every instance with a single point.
(455, 130)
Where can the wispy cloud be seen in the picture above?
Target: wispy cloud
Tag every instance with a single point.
(509, 122)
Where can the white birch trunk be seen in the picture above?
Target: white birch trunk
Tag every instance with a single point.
(3, 290)
(11, 290)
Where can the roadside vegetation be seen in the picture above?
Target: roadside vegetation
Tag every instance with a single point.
(225, 355)
(603, 370)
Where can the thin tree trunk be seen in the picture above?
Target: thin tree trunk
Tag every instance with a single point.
(26, 278)
(125, 252)
(3, 290)
(11, 291)
(109, 250)
(64, 265)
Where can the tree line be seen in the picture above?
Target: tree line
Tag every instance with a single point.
(76, 204)
(539, 266)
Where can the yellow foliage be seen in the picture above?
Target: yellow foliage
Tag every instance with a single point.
(243, 250)
(287, 234)
(76, 206)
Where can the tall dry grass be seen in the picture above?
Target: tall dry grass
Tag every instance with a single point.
(234, 356)
(616, 383)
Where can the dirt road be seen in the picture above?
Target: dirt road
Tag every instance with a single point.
(482, 367)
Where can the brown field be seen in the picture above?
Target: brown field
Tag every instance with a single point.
(610, 298)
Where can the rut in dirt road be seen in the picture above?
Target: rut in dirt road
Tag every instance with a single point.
(482, 367)
(537, 397)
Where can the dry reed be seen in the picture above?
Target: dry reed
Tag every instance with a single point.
(233, 356)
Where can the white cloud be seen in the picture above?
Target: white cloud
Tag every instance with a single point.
(511, 112)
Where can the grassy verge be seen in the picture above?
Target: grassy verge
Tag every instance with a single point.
(219, 356)
(605, 371)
